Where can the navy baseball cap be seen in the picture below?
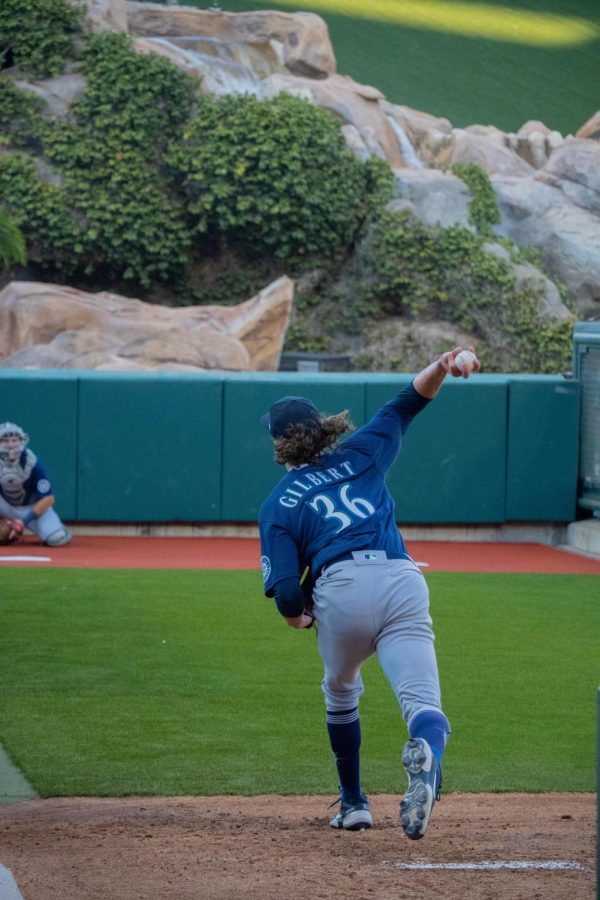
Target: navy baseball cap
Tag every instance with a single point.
(289, 411)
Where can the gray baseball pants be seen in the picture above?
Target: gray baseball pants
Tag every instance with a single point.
(382, 607)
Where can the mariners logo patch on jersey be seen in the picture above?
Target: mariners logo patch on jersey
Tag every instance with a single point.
(266, 567)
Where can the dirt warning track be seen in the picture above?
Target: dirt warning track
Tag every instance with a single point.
(244, 553)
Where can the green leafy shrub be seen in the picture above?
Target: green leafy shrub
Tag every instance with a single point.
(379, 185)
(20, 120)
(275, 176)
(483, 210)
(12, 242)
(111, 161)
(38, 34)
(415, 271)
(133, 101)
(42, 211)
(115, 211)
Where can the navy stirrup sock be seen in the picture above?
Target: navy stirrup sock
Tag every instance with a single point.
(434, 727)
(344, 736)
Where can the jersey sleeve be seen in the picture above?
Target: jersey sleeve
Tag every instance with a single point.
(382, 435)
(279, 556)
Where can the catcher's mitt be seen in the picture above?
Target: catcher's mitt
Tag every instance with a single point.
(11, 531)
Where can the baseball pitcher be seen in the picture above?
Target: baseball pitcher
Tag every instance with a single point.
(332, 516)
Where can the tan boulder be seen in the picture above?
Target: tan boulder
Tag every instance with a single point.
(534, 142)
(299, 41)
(568, 236)
(489, 132)
(591, 128)
(426, 134)
(486, 148)
(434, 197)
(575, 169)
(223, 68)
(550, 304)
(533, 126)
(53, 326)
(103, 15)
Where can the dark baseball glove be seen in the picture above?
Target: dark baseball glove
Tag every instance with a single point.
(11, 531)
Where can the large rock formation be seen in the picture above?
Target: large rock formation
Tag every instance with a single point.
(547, 185)
(434, 197)
(486, 148)
(574, 168)
(296, 42)
(51, 326)
(567, 235)
(294, 55)
(555, 209)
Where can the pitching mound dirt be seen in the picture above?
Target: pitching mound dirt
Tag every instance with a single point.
(215, 848)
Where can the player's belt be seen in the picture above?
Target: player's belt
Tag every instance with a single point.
(366, 557)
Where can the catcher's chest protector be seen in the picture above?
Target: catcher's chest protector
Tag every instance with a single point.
(13, 476)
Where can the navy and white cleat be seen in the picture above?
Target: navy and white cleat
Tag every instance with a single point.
(424, 783)
(353, 816)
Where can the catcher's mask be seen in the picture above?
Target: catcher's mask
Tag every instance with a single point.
(289, 411)
(13, 441)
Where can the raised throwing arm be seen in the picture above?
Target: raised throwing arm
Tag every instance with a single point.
(429, 381)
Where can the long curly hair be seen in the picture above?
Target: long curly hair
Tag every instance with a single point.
(306, 442)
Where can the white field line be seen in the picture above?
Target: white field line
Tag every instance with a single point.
(8, 885)
(488, 865)
(25, 559)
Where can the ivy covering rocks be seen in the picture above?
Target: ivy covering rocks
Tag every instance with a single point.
(38, 35)
(151, 188)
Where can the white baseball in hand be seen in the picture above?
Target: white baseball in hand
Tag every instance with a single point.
(465, 361)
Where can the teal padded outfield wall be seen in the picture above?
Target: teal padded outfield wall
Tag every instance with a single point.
(165, 447)
(45, 406)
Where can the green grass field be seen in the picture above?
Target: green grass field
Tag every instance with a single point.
(498, 64)
(188, 682)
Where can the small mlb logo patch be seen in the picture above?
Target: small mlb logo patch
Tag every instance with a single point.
(367, 557)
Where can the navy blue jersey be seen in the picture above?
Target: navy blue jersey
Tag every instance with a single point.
(318, 512)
